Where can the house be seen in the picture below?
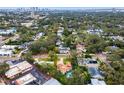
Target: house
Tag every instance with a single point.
(12, 63)
(45, 26)
(97, 82)
(35, 79)
(9, 47)
(71, 30)
(63, 68)
(64, 50)
(102, 56)
(52, 81)
(32, 77)
(59, 34)
(94, 72)
(28, 24)
(39, 35)
(80, 48)
(74, 33)
(59, 43)
(88, 62)
(95, 31)
(12, 30)
(7, 32)
(120, 38)
(28, 78)
(4, 52)
(17, 69)
(120, 26)
(7, 50)
(3, 32)
(122, 59)
(113, 47)
(60, 31)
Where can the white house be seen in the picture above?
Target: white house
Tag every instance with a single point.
(39, 35)
(120, 38)
(7, 32)
(95, 31)
(60, 31)
(17, 69)
(64, 50)
(59, 42)
(28, 24)
(4, 32)
(4, 52)
(9, 47)
(25, 79)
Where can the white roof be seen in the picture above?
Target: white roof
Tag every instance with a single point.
(4, 51)
(2, 31)
(60, 31)
(18, 68)
(25, 79)
(24, 65)
(9, 46)
(27, 24)
(52, 81)
(64, 48)
(12, 72)
(97, 82)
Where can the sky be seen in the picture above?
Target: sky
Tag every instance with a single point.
(61, 3)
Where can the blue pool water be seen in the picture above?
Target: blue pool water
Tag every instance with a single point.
(69, 74)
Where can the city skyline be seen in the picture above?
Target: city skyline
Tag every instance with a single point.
(62, 3)
(64, 8)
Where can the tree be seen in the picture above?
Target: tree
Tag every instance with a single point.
(73, 59)
(28, 57)
(88, 56)
(113, 76)
(47, 69)
(3, 68)
(53, 57)
(114, 57)
(66, 32)
(120, 52)
(79, 77)
(36, 47)
(94, 44)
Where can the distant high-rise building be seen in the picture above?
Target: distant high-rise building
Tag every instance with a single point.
(32, 12)
(114, 10)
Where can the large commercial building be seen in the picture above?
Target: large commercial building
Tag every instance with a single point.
(17, 69)
(25, 79)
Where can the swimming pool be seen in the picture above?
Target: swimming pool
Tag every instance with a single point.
(69, 74)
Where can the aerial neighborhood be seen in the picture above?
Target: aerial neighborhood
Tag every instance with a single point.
(61, 47)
